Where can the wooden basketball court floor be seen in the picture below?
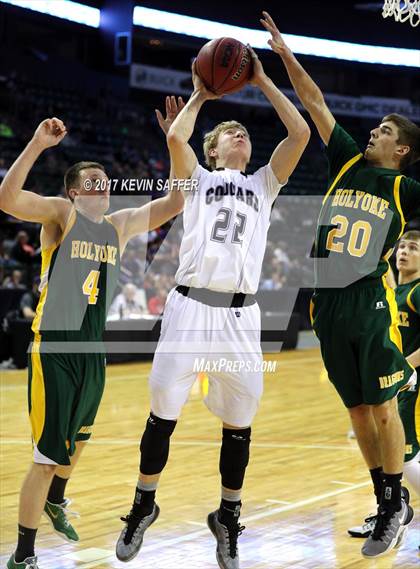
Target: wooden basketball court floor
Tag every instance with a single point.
(305, 485)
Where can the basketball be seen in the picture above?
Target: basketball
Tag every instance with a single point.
(224, 65)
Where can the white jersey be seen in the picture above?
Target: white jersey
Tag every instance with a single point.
(226, 220)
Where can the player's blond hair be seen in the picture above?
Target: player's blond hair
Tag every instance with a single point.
(211, 138)
(411, 235)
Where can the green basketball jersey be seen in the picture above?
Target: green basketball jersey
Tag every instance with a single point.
(408, 300)
(78, 280)
(363, 214)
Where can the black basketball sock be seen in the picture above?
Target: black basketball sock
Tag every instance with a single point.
(377, 476)
(26, 543)
(57, 489)
(143, 502)
(391, 492)
(229, 512)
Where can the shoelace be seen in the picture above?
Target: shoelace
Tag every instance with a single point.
(66, 511)
(370, 519)
(232, 533)
(382, 520)
(133, 522)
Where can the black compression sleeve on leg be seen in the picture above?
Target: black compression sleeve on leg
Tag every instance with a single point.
(154, 446)
(234, 457)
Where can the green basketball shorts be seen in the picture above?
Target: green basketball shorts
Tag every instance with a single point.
(64, 393)
(360, 342)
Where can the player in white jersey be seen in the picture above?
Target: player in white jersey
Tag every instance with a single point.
(212, 313)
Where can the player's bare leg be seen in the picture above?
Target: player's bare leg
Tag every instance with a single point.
(391, 436)
(367, 436)
(34, 493)
(394, 512)
(56, 504)
(31, 504)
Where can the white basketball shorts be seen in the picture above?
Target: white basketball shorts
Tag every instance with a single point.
(226, 341)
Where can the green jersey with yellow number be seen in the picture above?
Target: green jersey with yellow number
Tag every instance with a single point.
(78, 280)
(408, 300)
(363, 215)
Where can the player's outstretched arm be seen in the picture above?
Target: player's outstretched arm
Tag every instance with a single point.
(306, 89)
(173, 107)
(29, 206)
(287, 154)
(134, 221)
(183, 158)
(414, 358)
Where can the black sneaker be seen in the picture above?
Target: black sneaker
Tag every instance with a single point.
(131, 537)
(227, 541)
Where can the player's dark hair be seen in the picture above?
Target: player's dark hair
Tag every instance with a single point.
(409, 134)
(72, 176)
(411, 235)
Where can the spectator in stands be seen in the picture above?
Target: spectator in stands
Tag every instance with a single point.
(5, 130)
(2, 252)
(3, 169)
(282, 257)
(157, 302)
(130, 302)
(29, 301)
(130, 266)
(14, 280)
(22, 251)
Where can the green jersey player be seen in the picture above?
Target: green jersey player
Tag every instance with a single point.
(354, 312)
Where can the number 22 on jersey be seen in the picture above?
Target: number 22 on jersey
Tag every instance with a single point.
(90, 286)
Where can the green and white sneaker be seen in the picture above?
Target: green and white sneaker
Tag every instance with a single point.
(57, 516)
(28, 563)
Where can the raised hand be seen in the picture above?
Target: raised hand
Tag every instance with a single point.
(50, 133)
(276, 42)
(173, 107)
(200, 87)
(258, 73)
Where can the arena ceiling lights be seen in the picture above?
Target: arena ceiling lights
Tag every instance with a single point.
(66, 9)
(208, 29)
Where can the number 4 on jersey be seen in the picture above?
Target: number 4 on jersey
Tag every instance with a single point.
(90, 286)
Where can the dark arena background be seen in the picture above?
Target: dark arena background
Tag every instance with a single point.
(103, 67)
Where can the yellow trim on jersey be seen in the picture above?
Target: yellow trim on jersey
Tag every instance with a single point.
(311, 311)
(394, 330)
(388, 255)
(46, 255)
(397, 200)
(37, 414)
(70, 222)
(417, 417)
(45, 267)
(343, 170)
(409, 302)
